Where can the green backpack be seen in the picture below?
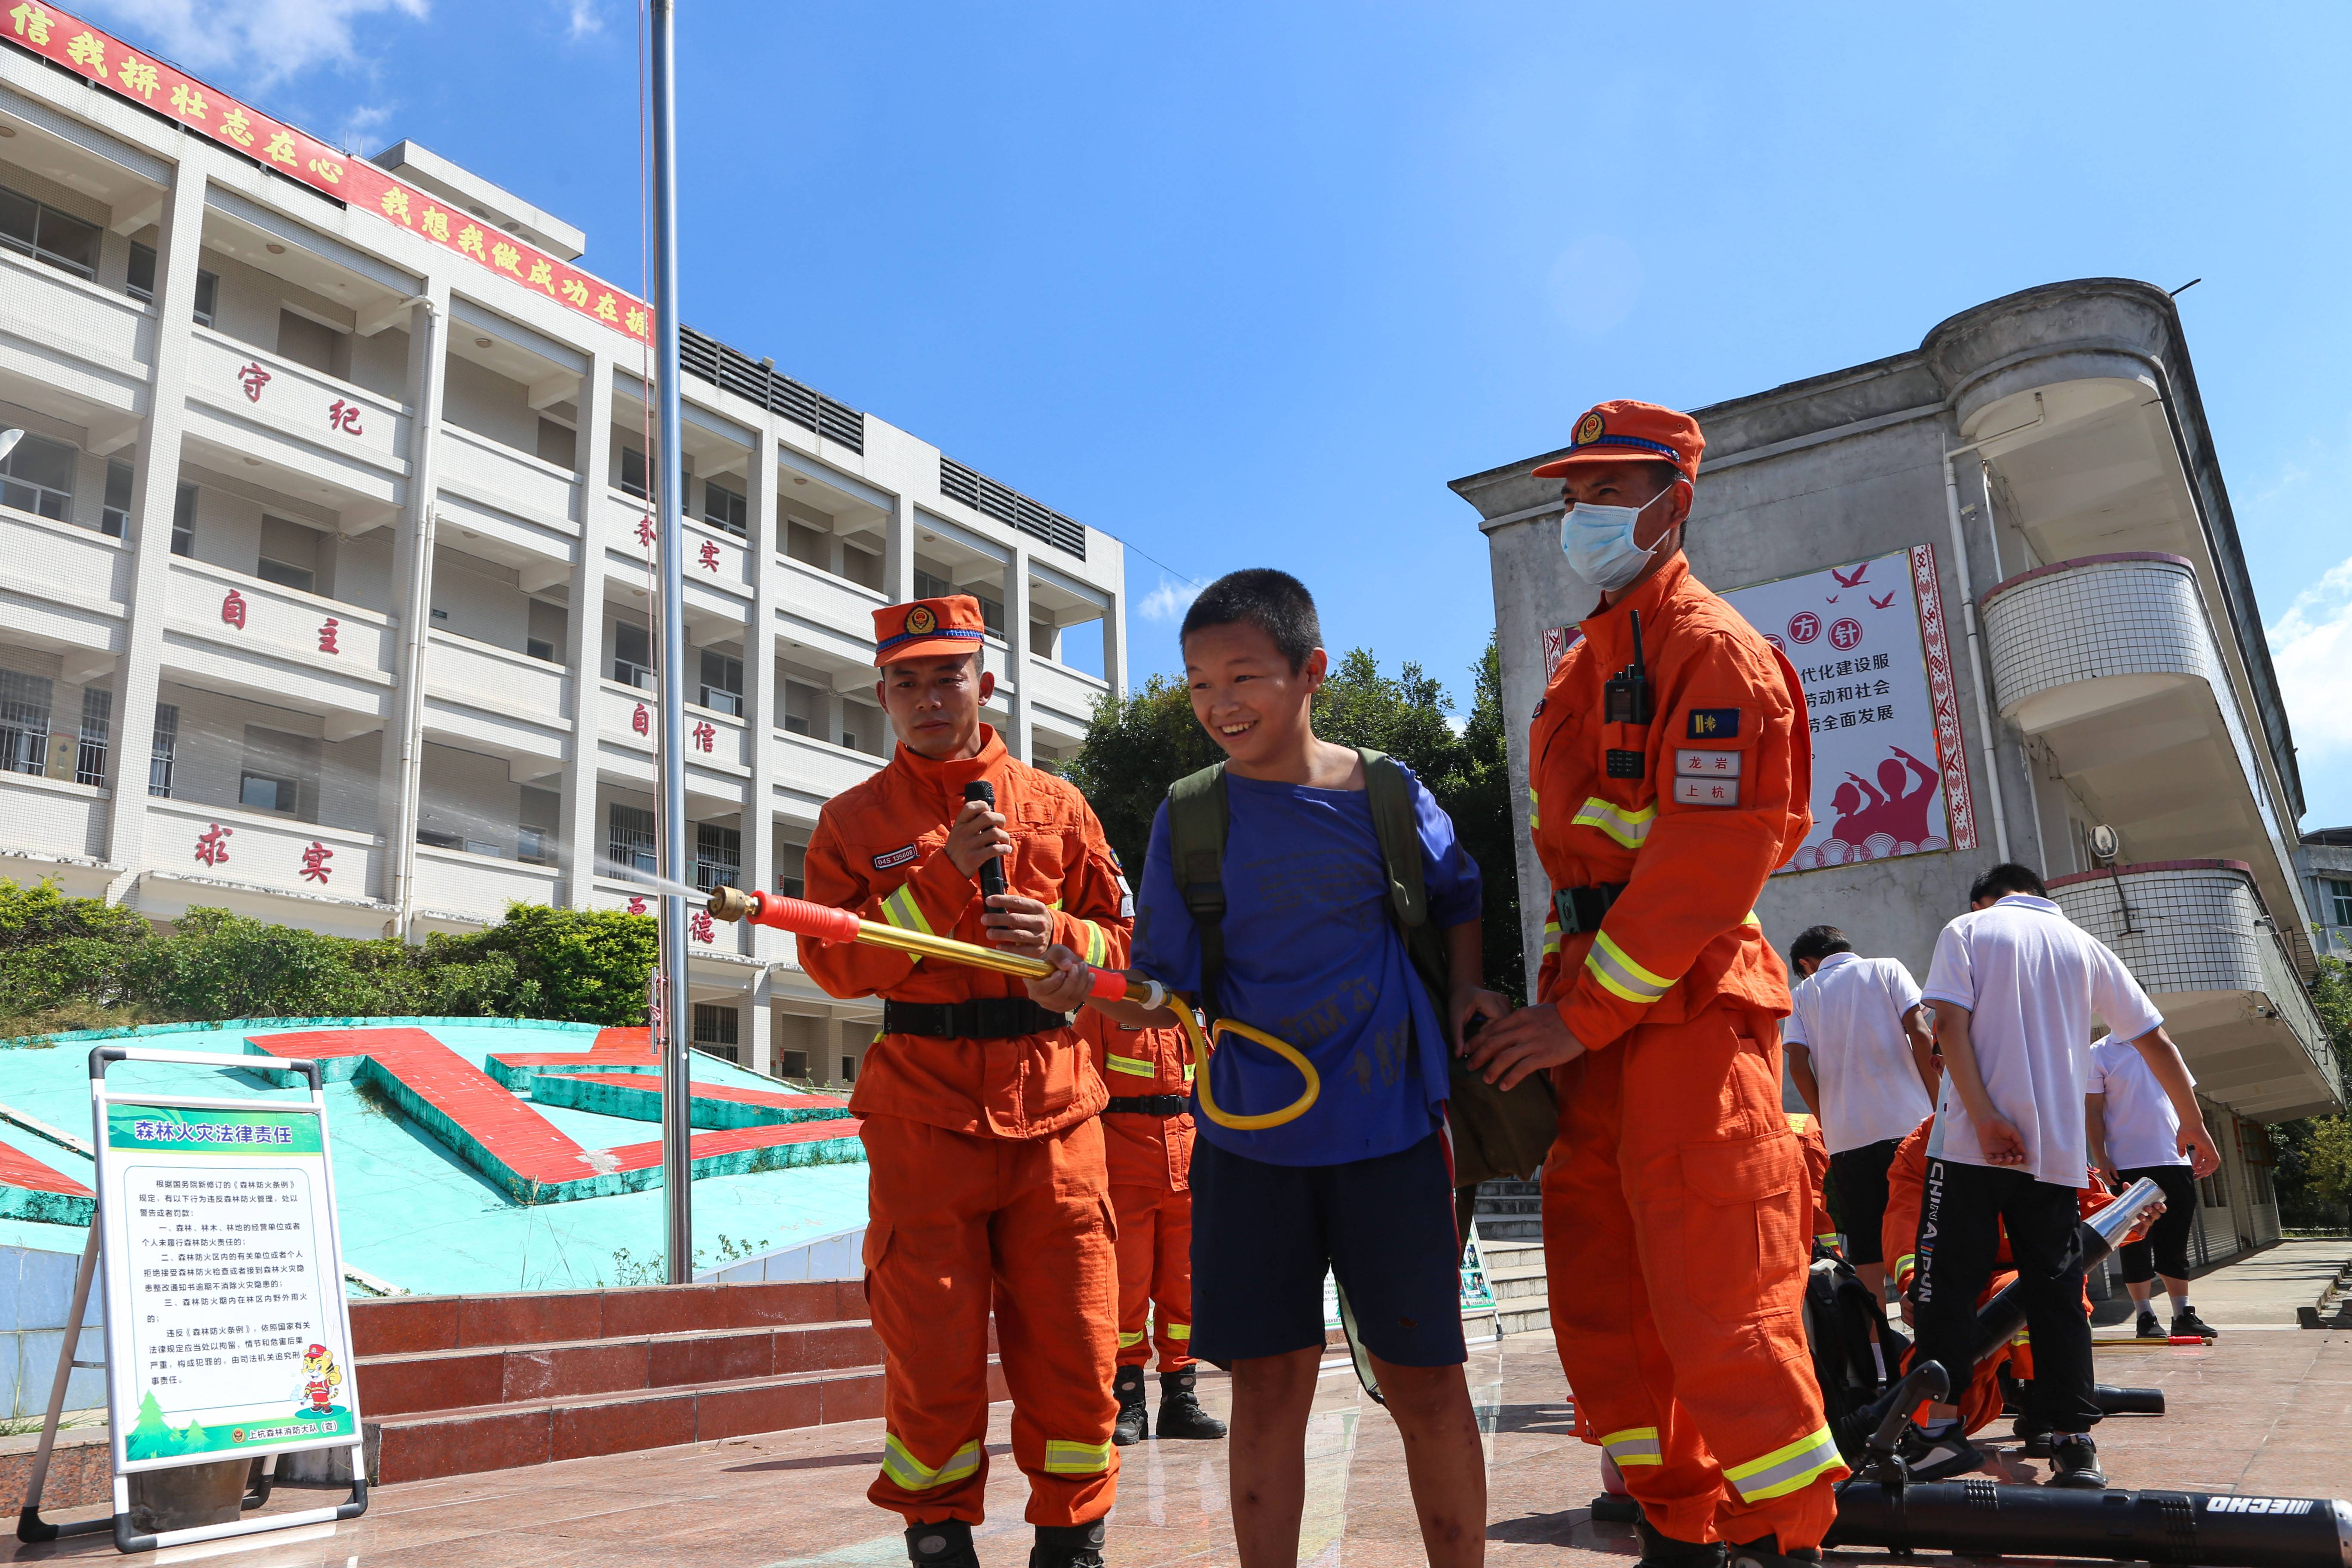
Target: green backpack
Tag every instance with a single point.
(1496, 1135)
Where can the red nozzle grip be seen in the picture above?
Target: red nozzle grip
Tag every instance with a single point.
(1108, 986)
(802, 918)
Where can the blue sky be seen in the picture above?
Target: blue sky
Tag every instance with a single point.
(1247, 286)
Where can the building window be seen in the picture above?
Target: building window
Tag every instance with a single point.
(159, 755)
(724, 507)
(290, 556)
(40, 231)
(277, 767)
(717, 855)
(804, 708)
(715, 1026)
(535, 648)
(863, 567)
(139, 283)
(849, 1070)
(268, 792)
(115, 521)
(810, 546)
(790, 864)
(2213, 1190)
(537, 834)
(633, 655)
(2339, 900)
(722, 683)
(991, 614)
(183, 522)
(23, 722)
(97, 724)
(631, 839)
(633, 472)
(795, 1066)
(37, 476)
(930, 586)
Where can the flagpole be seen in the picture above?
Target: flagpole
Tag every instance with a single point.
(677, 1183)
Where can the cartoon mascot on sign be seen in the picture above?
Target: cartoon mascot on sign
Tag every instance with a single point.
(320, 1378)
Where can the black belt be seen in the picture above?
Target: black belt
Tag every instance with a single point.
(981, 1018)
(1162, 1105)
(1581, 909)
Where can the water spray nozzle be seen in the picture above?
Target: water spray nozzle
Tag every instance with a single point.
(730, 903)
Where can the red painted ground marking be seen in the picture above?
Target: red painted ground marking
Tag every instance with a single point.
(734, 1093)
(19, 1169)
(734, 1139)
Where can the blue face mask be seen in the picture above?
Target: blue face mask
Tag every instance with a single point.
(1599, 541)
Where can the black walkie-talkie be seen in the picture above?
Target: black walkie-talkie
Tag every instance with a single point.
(1625, 699)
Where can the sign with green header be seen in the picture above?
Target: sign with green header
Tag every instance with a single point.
(225, 1319)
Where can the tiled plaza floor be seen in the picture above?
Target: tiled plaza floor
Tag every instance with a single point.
(2258, 1411)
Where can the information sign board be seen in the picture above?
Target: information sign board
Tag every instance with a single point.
(225, 1307)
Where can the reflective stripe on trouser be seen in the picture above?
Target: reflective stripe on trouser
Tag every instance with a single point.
(1787, 1468)
(1634, 1446)
(1675, 1208)
(959, 1222)
(1155, 1276)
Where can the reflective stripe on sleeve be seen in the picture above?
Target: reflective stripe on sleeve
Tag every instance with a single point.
(1535, 809)
(1627, 827)
(1098, 944)
(1827, 1238)
(1904, 1263)
(1787, 1469)
(1128, 1064)
(1621, 976)
(1066, 1458)
(1551, 936)
(901, 911)
(1634, 1446)
(911, 1474)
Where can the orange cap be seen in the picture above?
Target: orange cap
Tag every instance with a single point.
(928, 628)
(1623, 430)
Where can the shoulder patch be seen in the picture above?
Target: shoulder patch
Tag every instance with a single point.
(1540, 707)
(1714, 724)
(895, 858)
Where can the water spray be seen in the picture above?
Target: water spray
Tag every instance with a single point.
(823, 922)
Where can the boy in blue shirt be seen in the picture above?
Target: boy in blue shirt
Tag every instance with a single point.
(1362, 1182)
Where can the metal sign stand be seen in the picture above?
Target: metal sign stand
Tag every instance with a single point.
(324, 1266)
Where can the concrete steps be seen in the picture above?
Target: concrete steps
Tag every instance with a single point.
(458, 1384)
(1510, 1236)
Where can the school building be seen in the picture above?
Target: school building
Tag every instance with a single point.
(2005, 567)
(324, 563)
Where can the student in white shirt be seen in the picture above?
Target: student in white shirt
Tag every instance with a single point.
(2015, 986)
(2134, 1133)
(1863, 1062)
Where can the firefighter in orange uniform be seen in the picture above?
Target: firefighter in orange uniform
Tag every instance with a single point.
(1667, 783)
(1148, 1143)
(987, 1182)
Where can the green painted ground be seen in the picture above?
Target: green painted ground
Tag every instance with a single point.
(410, 1212)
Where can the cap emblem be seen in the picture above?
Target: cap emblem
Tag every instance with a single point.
(1588, 429)
(920, 621)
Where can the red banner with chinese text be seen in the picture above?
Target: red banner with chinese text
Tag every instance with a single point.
(106, 61)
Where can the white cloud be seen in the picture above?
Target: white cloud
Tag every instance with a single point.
(1168, 600)
(361, 127)
(2311, 649)
(582, 17)
(262, 42)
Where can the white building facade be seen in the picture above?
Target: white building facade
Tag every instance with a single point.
(2033, 503)
(323, 573)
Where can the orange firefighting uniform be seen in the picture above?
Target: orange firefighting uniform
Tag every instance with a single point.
(1815, 1151)
(1674, 1203)
(1907, 1188)
(987, 1177)
(1150, 1159)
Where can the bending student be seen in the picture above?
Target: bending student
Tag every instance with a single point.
(1361, 1182)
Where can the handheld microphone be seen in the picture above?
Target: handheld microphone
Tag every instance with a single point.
(991, 871)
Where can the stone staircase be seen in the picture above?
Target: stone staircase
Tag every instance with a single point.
(1510, 1236)
(456, 1384)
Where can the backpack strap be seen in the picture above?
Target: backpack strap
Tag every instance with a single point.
(1198, 819)
(1391, 797)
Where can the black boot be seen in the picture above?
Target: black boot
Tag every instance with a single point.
(947, 1544)
(1134, 1423)
(2074, 1462)
(1661, 1551)
(1068, 1545)
(1181, 1415)
(1767, 1553)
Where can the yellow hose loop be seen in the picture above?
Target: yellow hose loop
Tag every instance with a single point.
(1201, 1052)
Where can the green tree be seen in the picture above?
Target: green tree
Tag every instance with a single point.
(55, 949)
(2312, 1174)
(1135, 748)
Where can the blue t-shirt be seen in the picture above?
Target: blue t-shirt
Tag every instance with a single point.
(1314, 958)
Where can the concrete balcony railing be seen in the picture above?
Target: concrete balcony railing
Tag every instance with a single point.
(2194, 934)
(810, 766)
(2080, 638)
(56, 329)
(503, 478)
(242, 853)
(329, 419)
(630, 717)
(46, 815)
(459, 886)
(841, 606)
(279, 644)
(497, 680)
(61, 580)
(1061, 699)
